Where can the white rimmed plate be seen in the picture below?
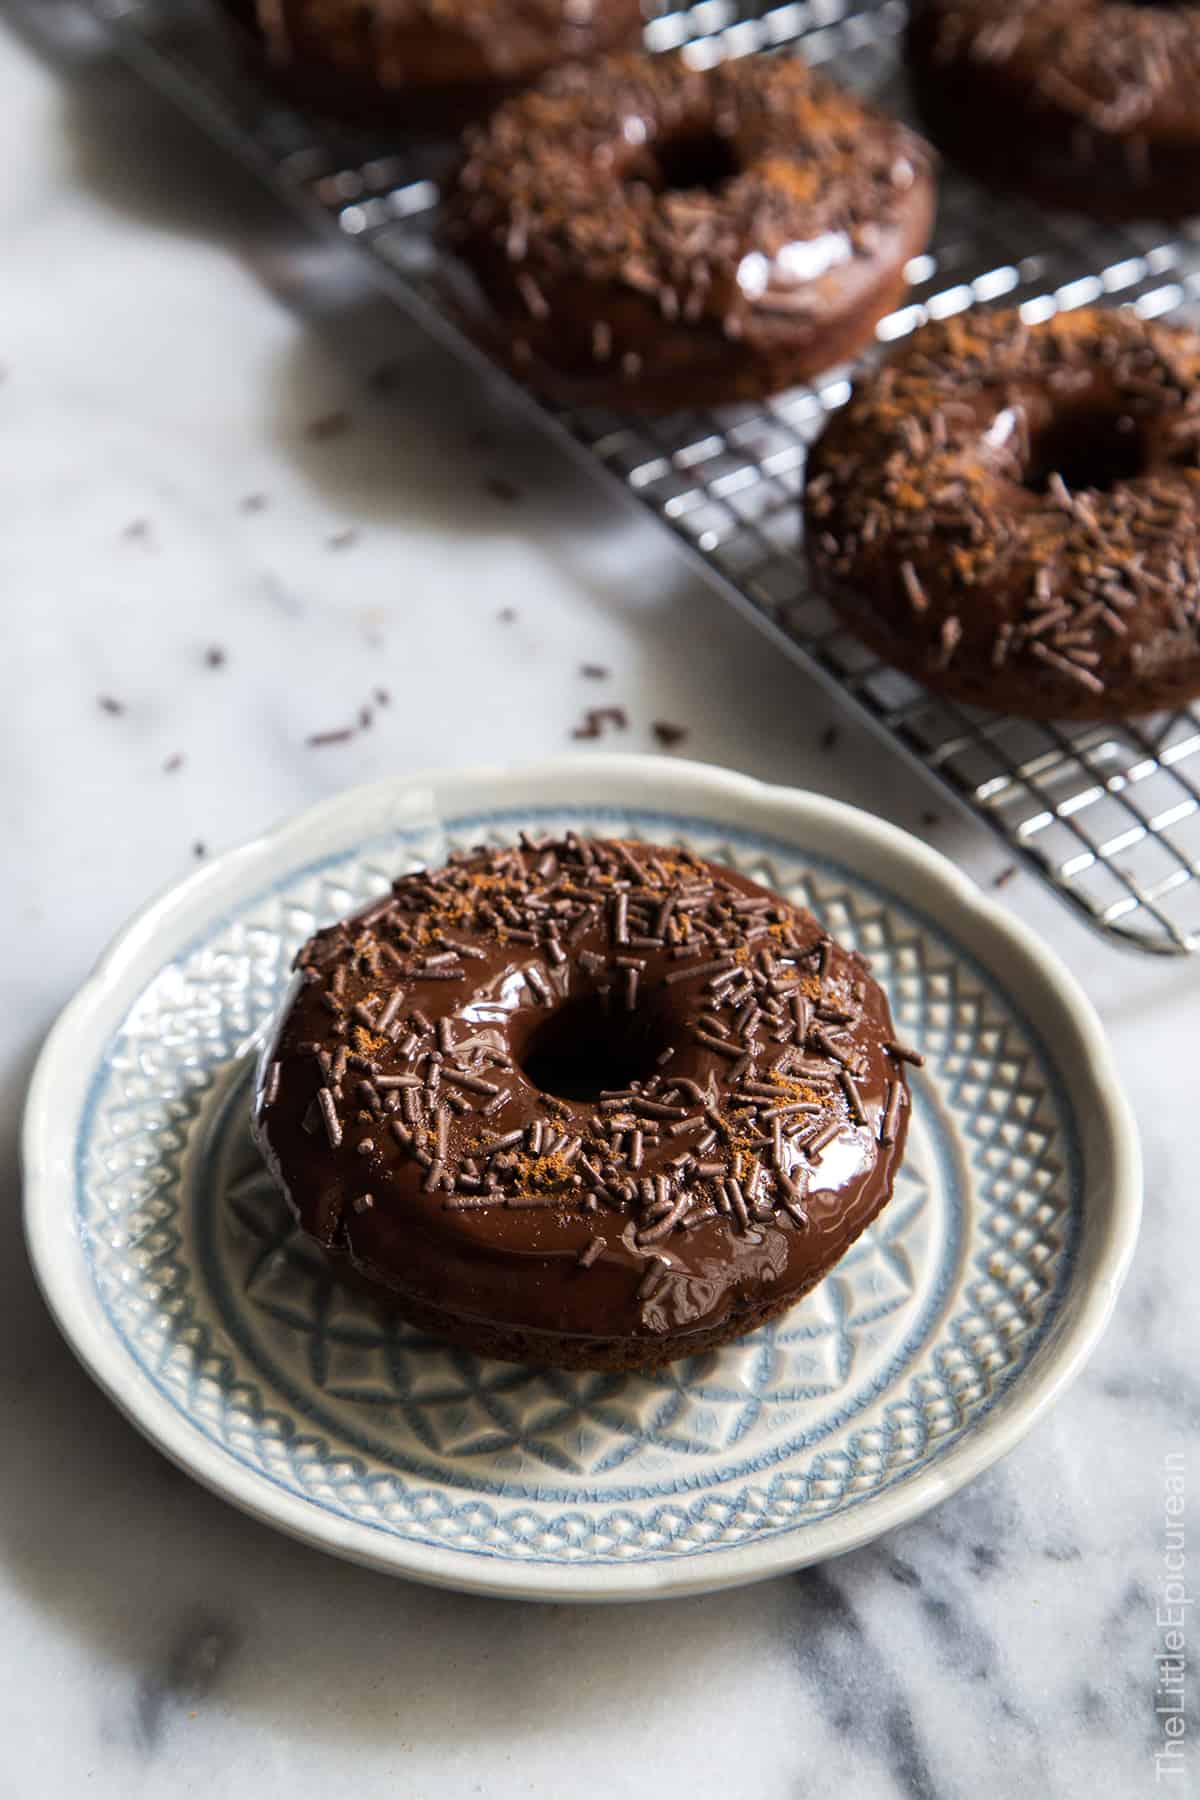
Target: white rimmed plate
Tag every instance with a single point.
(171, 1266)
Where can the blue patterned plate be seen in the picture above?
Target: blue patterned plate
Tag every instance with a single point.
(173, 1269)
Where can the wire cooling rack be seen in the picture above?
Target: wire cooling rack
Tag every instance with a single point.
(1108, 814)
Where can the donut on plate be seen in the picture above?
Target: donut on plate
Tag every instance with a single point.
(429, 62)
(584, 1103)
(1011, 512)
(1082, 103)
(652, 235)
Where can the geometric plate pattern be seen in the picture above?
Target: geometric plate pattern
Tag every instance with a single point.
(239, 1323)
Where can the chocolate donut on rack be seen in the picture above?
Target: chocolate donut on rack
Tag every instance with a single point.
(585, 1103)
(651, 235)
(431, 64)
(1081, 103)
(1011, 513)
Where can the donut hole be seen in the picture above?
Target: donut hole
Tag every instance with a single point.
(585, 1049)
(692, 161)
(1097, 450)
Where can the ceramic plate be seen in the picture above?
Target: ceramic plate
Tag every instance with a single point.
(172, 1267)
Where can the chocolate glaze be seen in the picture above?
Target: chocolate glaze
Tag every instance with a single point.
(947, 523)
(661, 234)
(425, 61)
(1087, 103)
(564, 963)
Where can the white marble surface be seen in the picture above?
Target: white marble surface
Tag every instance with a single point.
(165, 341)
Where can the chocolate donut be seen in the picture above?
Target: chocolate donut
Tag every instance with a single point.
(583, 1103)
(653, 235)
(429, 62)
(1083, 103)
(1011, 513)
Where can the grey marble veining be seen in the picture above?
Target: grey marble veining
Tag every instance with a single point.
(167, 344)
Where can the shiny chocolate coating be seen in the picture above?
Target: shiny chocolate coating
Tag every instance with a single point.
(429, 63)
(584, 1090)
(655, 235)
(1010, 513)
(1081, 103)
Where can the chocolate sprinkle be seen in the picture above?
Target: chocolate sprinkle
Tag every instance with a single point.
(765, 1012)
(318, 740)
(597, 717)
(1002, 584)
(566, 191)
(333, 1126)
(891, 1112)
(668, 735)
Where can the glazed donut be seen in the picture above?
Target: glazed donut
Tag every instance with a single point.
(1011, 513)
(429, 62)
(1083, 103)
(653, 235)
(592, 1104)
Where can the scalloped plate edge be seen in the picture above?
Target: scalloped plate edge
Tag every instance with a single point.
(814, 825)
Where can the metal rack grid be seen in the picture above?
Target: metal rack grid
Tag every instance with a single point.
(1109, 815)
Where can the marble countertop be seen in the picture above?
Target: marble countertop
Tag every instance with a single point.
(219, 539)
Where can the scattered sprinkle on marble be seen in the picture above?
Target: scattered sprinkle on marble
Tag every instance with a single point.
(507, 614)
(594, 671)
(109, 704)
(1005, 876)
(320, 740)
(252, 503)
(137, 531)
(597, 718)
(343, 734)
(173, 763)
(342, 540)
(199, 849)
(215, 657)
(668, 735)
